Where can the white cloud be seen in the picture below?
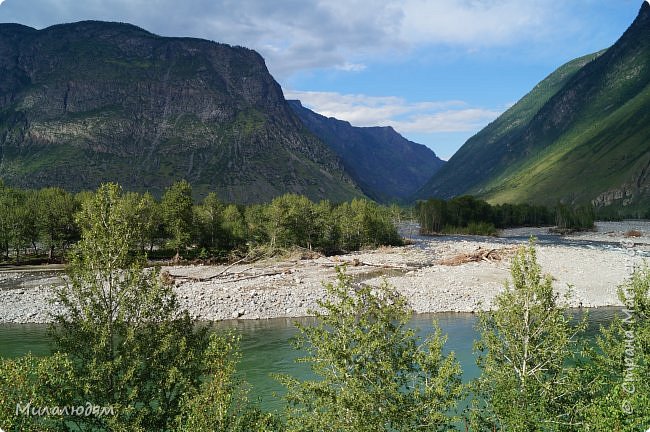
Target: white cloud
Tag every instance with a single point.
(403, 116)
(352, 67)
(476, 23)
(296, 35)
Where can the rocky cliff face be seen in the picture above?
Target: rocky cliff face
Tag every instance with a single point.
(90, 102)
(386, 166)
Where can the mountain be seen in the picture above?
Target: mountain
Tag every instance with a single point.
(581, 135)
(370, 153)
(90, 102)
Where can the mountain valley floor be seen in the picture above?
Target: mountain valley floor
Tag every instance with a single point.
(435, 274)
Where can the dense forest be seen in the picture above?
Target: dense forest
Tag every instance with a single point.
(468, 215)
(42, 224)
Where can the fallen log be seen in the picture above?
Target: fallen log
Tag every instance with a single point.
(487, 255)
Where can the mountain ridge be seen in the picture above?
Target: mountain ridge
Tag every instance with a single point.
(584, 139)
(368, 153)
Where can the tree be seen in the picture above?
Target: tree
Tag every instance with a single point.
(209, 217)
(31, 385)
(256, 223)
(176, 207)
(131, 347)
(11, 209)
(327, 232)
(221, 403)
(349, 227)
(525, 344)
(56, 219)
(372, 374)
(289, 221)
(151, 221)
(31, 230)
(234, 226)
(614, 377)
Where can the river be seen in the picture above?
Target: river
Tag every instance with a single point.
(267, 350)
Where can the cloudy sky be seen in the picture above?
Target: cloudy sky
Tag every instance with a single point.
(436, 70)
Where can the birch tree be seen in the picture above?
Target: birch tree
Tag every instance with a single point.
(526, 342)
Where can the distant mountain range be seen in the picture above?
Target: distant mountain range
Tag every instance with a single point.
(386, 166)
(581, 135)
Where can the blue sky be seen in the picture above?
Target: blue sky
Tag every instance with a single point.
(436, 70)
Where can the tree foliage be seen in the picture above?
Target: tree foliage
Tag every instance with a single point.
(31, 382)
(221, 403)
(176, 208)
(177, 225)
(614, 376)
(372, 372)
(468, 215)
(525, 345)
(131, 346)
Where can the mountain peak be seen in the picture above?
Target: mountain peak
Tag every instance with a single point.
(644, 12)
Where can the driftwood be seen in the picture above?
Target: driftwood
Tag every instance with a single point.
(358, 263)
(169, 278)
(488, 255)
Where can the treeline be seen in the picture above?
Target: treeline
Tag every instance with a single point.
(468, 215)
(44, 223)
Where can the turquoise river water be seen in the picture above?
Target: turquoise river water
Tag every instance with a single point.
(267, 350)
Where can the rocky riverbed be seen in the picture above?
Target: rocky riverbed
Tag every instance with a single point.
(436, 274)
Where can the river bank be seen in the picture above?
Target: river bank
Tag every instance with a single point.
(436, 274)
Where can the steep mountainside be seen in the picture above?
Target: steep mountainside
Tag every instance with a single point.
(582, 135)
(386, 166)
(92, 101)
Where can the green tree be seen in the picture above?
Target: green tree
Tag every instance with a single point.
(30, 385)
(221, 403)
(255, 217)
(11, 212)
(31, 229)
(524, 347)
(327, 234)
(209, 217)
(176, 208)
(372, 373)
(131, 346)
(56, 219)
(349, 227)
(150, 222)
(614, 377)
(290, 222)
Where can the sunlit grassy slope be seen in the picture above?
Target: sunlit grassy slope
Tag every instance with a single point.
(581, 135)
